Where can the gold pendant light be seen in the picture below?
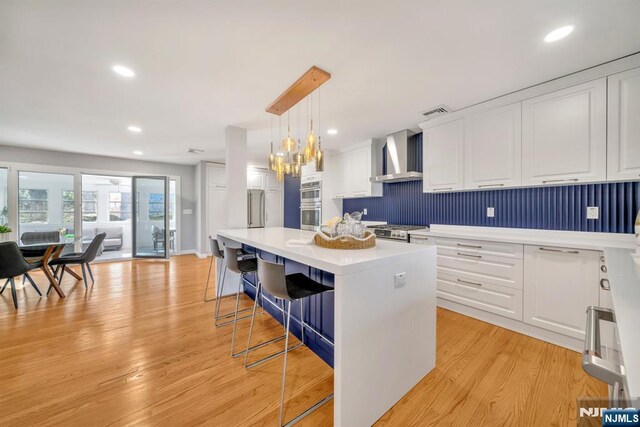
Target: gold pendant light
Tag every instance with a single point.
(319, 152)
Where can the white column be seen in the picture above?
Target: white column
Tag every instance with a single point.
(236, 170)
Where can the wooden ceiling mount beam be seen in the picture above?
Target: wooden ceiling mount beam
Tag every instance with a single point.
(310, 81)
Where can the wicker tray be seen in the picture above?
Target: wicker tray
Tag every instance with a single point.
(323, 240)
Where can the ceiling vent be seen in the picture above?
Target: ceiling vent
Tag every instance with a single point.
(194, 151)
(435, 112)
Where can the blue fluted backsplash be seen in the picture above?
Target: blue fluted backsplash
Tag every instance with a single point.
(549, 208)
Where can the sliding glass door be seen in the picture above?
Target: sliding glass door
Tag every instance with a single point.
(152, 236)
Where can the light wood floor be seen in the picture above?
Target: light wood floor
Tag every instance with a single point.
(139, 347)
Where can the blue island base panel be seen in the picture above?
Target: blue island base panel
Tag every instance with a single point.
(318, 309)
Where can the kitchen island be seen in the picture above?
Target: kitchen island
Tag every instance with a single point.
(383, 314)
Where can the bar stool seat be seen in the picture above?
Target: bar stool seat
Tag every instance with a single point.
(300, 286)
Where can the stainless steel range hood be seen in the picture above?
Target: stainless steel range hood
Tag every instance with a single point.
(398, 163)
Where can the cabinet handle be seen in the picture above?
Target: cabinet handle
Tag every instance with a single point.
(602, 284)
(470, 255)
(469, 246)
(468, 282)
(559, 250)
(549, 181)
(592, 362)
(443, 189)
(490, 185)
(359, 194)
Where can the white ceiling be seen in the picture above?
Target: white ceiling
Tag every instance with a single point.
(203, 65)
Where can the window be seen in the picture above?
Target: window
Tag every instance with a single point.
(34, 205)
(119, 206)
(89, 206)
(67, 206)
(156, 206)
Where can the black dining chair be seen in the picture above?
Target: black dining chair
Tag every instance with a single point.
(13, 264)
(83, 259)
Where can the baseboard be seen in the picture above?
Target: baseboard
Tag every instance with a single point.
(187, 252)
(201, 254)
(515, 325)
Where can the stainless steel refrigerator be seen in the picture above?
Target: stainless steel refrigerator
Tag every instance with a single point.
(255, 208)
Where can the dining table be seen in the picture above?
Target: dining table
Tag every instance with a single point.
(50, 249)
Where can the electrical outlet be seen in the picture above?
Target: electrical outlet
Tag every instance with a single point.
(400, 280)
(364, 211)
(491, 212)
(593, 212)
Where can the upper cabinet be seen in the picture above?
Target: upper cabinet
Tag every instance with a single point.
(623, 145)
(564, 135)
(443, 156)
(354, 168)
(308, 173)
(492, 148)
(255, 179)
(216, 175)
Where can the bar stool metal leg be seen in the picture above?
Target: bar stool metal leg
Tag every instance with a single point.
(209, 278)
(284, 365)
(257, 346)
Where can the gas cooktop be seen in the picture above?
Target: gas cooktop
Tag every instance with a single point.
(395, 232)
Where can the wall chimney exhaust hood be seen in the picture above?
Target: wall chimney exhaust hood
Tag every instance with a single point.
(399, 167)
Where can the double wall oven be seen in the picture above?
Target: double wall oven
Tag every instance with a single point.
(311, 205)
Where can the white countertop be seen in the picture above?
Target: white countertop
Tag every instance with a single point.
(624, 278)
(274, 240)
(571, 239)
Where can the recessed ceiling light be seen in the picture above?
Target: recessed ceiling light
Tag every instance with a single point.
(123, 71)
(558, 33)
(332, 131)
(138, 153)
(134, 129)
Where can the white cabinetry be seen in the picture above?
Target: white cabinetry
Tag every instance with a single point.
(564, 135)
(353, 170)
(623, 144)
(255, 179)
(217, 210)
(443, 157)
(216, 175)
(483, 275)
(492, 148)
(559, 285)
(308, 173)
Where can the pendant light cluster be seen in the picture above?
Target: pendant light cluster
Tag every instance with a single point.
(291, 155)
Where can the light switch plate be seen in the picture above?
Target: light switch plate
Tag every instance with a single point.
(491, 212)
(187, 211)
(400, 280)
(593, 212)
(364, 211)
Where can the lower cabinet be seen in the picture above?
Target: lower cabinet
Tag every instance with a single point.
(546, 287)
(483, 275)
(559, 285)
(484, 296)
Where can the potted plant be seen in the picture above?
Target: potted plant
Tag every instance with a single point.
(4, 233)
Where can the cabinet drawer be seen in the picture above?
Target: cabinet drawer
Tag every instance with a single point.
(483, 296)
(479, 247)
(491, 269)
